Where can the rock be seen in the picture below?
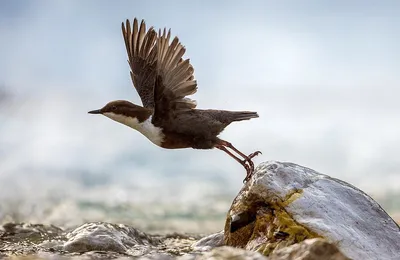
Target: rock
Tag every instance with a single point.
(209, 242)
(98, 241)
(285, 203)
(90, 241)
(21, 238)
(177, 244)
(108, 237)
(284, 212)
(225, 252)
(29, 232)
(310, 249)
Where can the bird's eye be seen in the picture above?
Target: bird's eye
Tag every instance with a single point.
(113, 107)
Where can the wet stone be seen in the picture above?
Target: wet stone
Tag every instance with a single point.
(108, 237)
(209, 242)
(33, 233)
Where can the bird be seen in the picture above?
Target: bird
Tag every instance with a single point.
(163, 79)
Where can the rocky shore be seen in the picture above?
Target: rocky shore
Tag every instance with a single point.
(285, 211)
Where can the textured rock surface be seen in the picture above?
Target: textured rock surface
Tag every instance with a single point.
(209, 242)
(109, 241)
(90, 241)
(108, 237)
(225, 252)
(285, 203)
(311, 249)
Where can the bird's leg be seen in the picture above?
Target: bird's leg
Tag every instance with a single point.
(246, 158)
(242, 162)
(223, 145)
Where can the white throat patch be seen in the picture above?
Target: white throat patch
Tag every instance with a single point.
(147, 128)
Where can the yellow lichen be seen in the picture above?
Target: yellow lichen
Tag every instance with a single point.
(276, 220)
(291, 197)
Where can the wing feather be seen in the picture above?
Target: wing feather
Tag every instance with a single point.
(141, 49)
(159, 73)
(175, 79)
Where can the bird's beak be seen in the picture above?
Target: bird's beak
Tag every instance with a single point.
(98, 111)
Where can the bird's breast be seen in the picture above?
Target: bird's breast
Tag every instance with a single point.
(152, 132)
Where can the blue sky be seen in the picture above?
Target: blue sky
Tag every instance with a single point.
(323, 76)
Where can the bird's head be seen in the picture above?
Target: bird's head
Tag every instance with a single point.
(123, 112)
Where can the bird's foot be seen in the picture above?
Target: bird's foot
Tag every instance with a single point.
(250, 166)
(247, 163)
(252, 155)
(249, 169)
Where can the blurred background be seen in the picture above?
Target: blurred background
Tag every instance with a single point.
(323, 75)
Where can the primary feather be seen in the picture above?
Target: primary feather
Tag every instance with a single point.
(152, 56)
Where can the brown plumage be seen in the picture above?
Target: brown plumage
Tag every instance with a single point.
(163, 80)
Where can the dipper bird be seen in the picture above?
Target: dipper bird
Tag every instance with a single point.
(163, 79)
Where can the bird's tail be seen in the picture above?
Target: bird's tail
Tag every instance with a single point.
(243, 115)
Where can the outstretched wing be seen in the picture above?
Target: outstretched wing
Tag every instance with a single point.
(174, 80)
(142, 55)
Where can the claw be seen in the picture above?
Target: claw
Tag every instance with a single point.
(249, 172)
(252, 155)
(250, 167)
(249, 157)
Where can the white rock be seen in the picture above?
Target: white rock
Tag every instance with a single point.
(341, 213)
